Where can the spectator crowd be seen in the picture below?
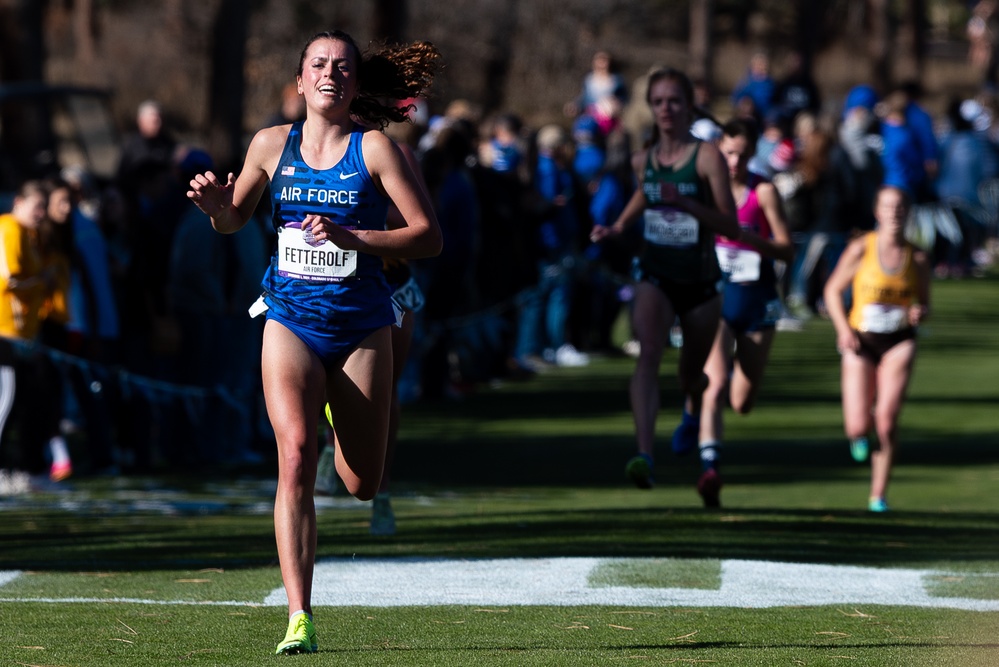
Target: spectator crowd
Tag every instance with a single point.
(125, 342)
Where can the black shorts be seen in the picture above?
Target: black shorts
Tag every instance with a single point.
(874, 346)
(683, 296)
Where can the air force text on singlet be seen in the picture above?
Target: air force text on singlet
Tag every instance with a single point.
(320, 196)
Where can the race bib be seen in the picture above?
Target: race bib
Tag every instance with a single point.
(301, 257)
(883, 318)
(409, 296)
(670, 227)
(739, 264)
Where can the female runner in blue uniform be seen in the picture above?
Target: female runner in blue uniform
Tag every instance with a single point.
(327, 302)
(685, 197)
(750, 303)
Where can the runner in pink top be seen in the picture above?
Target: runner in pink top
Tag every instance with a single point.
(750, 303)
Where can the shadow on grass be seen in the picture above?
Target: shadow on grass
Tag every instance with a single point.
(844, 537)
(735, 649)
(594, 460)
(456, 529)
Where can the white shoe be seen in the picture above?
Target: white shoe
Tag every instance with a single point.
(567, 355)
(790, 323)
(676, 336)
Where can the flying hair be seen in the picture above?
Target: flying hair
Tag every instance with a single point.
(387, 74)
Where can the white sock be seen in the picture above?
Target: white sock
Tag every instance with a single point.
(58, 449)
(710, 454)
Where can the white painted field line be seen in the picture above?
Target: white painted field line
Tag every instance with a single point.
(565, 582)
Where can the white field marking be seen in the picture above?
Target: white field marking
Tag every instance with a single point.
(565, 582)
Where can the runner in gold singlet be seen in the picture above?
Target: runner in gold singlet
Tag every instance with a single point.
(890, 281)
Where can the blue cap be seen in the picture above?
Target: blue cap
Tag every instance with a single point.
(860, 96)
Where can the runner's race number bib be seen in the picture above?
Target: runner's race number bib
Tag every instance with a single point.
(299, 256)
(883, 318)
(740, 265)
(409, 296)
(670, 227)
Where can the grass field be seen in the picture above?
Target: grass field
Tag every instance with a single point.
(180, 570)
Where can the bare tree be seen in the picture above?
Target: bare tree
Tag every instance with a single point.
(879, 46)
(809, 17)
(22, 40)
(919, 24)
(920, 27)
(26, 131)
(228, 83)
(701, 43)
(390, 20)
(84, 28)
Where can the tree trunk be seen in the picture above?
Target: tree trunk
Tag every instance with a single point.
(390, 20)
(26, 135)
(22, 40)
(809, 17)
(500, 59)
(879, 45)
(700, 45)
(83, 33)
(228, 83)
(920, 25)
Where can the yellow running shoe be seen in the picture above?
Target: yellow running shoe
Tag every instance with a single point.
(329, 417)
(301, 636)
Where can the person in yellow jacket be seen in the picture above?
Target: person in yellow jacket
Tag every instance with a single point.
(890, 282)
(23, 284)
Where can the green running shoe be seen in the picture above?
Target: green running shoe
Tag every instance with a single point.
(329, 416)
(382, 516)
(877, 505)
(301, 637)
(639, 471)
(859, 449)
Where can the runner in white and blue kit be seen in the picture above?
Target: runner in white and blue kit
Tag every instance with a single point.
(327, 338)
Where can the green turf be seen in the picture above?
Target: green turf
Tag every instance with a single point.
(658, 573)
(133, 634)
(536, 469)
